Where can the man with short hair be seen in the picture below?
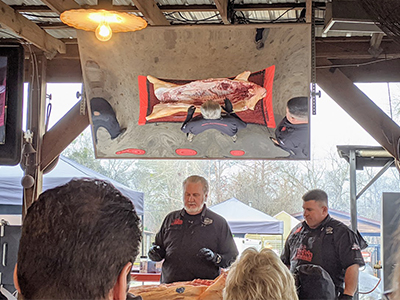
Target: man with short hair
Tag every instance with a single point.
(323, 241)
(78, 241)
(292, 132)
(194, 242)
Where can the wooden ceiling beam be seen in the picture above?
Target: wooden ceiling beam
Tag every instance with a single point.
(29, 31)
(151, 12)
(61, 6)
(184, 8)
(222, 6)
(363, 110)
(354, 48)
(31, 8)
(379, 70)
(62, 134)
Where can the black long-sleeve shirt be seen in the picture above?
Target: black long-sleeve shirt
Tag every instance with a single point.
(227, 124)
(182, 236)
(293, 138)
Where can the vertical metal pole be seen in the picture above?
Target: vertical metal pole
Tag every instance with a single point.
(353, 190)
(143, 236)
(353, 196)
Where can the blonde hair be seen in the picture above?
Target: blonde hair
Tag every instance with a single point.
(259, 276)
(210, 110)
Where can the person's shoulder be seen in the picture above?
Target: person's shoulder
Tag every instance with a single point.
(338, 225)
(213, 215)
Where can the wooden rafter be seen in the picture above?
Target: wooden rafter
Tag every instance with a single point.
(29, 31)
(222, 6)
(60, 6)
(187, 8)
(151, 12)
(62, 134)
(365, 112)
(354, 48)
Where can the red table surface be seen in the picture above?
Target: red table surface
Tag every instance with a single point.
(146, 276)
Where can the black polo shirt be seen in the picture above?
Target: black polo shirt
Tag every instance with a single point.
(332, 245)
(182, 236)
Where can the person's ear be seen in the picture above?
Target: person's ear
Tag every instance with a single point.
(120, 288)
(325, 209)
(15, 278)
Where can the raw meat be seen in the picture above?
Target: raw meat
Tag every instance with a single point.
(174, 98)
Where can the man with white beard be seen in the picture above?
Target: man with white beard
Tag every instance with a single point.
(194, 241)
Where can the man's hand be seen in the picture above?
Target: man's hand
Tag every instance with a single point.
(210, 255)
(345, 297)
(155, 253)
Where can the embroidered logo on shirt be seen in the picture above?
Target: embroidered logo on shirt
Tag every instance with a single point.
(177, 222)
(329, 230)
(303, 254)
(207, 221)
(355, 247)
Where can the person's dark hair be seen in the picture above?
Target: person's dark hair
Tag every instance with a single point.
(75, 241)
(316, 195)
(298, 107)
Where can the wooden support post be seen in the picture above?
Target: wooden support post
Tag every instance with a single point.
(62, 134)
(308, 11)
(365, 112)
(36, 119)
(151, 12)
(222, 6)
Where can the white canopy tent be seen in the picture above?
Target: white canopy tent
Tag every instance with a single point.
(65, 170)
(243, 219)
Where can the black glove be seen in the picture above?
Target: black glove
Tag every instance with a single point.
(210, 255)
(345, 297)
(155, 253)
(228, 106)
(189, 116)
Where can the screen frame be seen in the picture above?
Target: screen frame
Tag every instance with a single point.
(10, 151)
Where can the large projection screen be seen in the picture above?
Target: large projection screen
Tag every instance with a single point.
(124, 78)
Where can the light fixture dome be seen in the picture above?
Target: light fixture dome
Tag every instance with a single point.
(92, 19)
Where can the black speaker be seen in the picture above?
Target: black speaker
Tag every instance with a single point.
(9, 243)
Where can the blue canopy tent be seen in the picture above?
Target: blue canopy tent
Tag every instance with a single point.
(65, 170)
(243, 219)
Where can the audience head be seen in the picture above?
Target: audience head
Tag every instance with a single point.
(259, 276)
(297, 110)
(210, 110)
(78, 241)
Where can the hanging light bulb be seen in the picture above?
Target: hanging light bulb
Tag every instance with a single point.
(103, 32)
(102, 21)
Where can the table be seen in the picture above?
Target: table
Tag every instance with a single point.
(146, 277)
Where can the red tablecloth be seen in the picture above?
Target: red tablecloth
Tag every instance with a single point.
(146, 276)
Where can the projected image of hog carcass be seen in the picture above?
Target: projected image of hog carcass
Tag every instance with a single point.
(207, 92)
